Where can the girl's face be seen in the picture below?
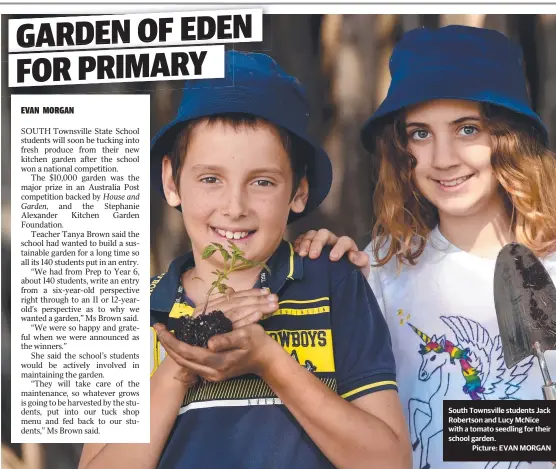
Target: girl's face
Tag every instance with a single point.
(452, 146)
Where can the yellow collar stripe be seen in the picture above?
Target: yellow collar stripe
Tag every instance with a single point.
(316, 300)
(292, 254)
(369, 386)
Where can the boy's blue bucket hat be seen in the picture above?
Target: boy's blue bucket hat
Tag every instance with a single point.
(455, 62)
(254, 84)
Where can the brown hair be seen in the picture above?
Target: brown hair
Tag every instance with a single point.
(292, 144)
(524, 167)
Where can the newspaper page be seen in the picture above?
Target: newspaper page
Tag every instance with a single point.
(437, 125)
(80, 218)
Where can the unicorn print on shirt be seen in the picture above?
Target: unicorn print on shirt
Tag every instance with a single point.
(471, 360)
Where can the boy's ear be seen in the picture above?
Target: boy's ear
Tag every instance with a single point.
(170, 190)
(301, 196)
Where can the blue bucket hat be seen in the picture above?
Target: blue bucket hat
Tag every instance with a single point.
(254, 84)
(455, 62)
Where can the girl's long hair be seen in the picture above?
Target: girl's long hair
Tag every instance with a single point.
(524, 167)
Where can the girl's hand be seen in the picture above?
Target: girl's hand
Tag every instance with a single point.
(313, 242)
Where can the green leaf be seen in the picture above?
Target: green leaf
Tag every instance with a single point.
(235, 250)
(238, 262)
(225, 254)
(246, 261)
(209, 251)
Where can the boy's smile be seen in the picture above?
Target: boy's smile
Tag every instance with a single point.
(235, 185)
(233, 235)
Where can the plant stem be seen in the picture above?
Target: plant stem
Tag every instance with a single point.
(236, 254)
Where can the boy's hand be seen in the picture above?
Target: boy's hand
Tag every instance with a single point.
(313, 242)
(248, 350)
(184, 375)
(243, 307)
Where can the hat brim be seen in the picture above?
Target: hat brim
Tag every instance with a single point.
(442, 89)
(239, 100)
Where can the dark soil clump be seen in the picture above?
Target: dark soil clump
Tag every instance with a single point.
(197, 331)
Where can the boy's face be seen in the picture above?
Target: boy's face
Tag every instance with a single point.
(235, 184)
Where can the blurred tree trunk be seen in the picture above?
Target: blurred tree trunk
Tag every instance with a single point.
(546, 40)
(168, 238)
(300, 33)
(499, 23)
(356, 50)
(409, 22)
(477, 21)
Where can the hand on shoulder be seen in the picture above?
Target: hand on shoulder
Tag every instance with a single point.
(313, 242)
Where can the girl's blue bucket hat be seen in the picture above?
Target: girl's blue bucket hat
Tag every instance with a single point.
(455, 62)
(253, 84)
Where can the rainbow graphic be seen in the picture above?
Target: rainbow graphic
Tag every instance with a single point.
(473, 385)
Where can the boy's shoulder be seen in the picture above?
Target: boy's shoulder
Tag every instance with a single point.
(165, 284)
(155, 279)
(335, 271)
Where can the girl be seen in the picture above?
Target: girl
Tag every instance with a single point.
(463, 169)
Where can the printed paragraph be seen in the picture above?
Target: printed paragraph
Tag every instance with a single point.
(80, 223)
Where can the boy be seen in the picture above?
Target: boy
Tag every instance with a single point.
(308, 382)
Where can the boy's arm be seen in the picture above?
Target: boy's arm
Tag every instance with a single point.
(168, 388)
(370, 431)
(367, 433)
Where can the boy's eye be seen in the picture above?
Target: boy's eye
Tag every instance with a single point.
(420, 134)
(263, 183)
(468, 130)
(209, 180)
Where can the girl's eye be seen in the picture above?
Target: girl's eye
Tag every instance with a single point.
(420, 134)
(263, 183)
(209, 180)
(469, 130)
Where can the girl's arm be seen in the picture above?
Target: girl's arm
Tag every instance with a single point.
(312, 243)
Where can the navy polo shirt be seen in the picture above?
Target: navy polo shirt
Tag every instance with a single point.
(328, 320)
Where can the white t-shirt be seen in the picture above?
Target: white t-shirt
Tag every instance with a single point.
(448, 296)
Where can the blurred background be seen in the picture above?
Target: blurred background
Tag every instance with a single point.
(343, 62)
